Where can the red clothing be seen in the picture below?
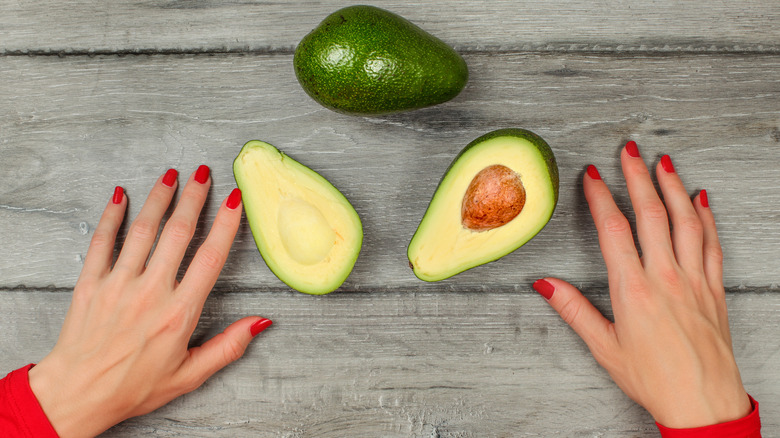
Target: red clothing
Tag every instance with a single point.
(21, 416)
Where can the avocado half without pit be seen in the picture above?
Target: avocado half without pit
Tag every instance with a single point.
(306, 231)
(497, 194)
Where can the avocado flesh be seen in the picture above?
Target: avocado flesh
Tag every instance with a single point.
(306, 231)
(443, 246)
(365, 60)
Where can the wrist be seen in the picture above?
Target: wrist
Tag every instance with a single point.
(748, 426)
(685, 408)
(70, 408)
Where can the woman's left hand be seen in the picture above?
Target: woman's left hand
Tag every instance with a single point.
(123, 349)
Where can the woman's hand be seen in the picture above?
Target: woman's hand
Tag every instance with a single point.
(122, 351)
(669, 348)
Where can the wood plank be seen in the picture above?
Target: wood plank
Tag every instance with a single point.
(71, 128)
(400, 364)
(558, 25)
(479, 355)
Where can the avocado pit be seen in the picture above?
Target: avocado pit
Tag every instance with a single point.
(493, 198)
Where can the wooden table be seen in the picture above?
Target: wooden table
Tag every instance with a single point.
(98, 94)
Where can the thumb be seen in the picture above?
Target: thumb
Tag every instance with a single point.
(596, 330)
(220, 351)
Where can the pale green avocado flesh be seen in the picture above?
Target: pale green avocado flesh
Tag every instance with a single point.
(497, 194)
(306, 231)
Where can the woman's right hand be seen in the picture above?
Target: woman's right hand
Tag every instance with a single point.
(669, 348)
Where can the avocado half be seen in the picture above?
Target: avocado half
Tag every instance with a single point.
(497, 194)
(306, 231)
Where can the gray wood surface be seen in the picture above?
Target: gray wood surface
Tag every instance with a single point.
(84, 26)
(89, 123)
(405, 364)
(138, 87)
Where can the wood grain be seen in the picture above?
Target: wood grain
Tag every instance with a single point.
(242, 26)
(400, 364)
(98, 94)
(72, 128)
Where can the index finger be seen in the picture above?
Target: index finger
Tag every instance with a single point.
(615, 237)
(208, 261)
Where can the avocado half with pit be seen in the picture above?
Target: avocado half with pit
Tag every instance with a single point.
(497, 194)
(306, 231)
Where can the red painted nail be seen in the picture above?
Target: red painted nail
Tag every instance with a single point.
(632, 149)
(119, 193)
(666, 163)
(259, 326)
(170, 177)
(234, 199)
(202, 174)
(593, 173)
(705, 202)
(545, 288)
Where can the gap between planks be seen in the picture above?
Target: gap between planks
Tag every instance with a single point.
(661, 50)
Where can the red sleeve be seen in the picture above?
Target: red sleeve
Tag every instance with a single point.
(746, 427)
(21, 416)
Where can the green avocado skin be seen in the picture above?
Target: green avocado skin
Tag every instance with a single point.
(364, 60)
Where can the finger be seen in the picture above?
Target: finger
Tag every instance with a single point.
(100, 253)
(218, 352)
(211, 256)
(711, 249)
(652, 222)
(596, 330)
(614, 231)
(180, 227)
(687, 231)
(713, 260)
(143, 230)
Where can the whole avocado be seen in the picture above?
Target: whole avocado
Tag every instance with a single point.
(365, 60)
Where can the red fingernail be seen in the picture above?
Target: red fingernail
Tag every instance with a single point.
(545, 288)
(170, 177)
(259, 326)
(119, 193)
(666, 163)
(632, 149)
(705, 202)
(593, 173)
(202, 174)
(234, 199)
